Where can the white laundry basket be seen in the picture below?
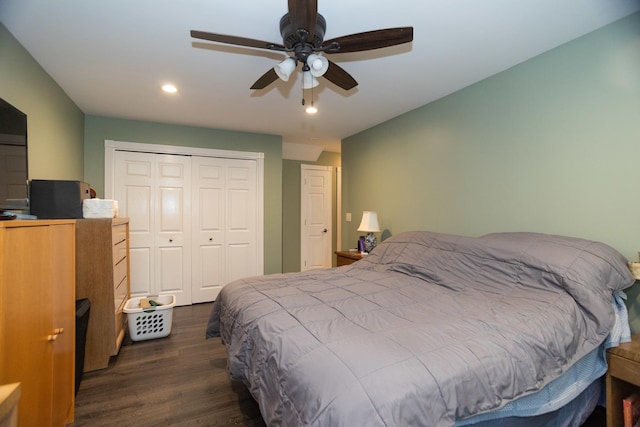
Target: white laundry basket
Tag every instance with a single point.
(152, 322)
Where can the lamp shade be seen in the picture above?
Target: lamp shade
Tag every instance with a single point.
(285, 68)
(308, 81)
(369, 222)
(318, 65)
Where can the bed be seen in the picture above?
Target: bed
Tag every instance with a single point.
(431, 329)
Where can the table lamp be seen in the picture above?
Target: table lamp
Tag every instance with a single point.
(369, 225)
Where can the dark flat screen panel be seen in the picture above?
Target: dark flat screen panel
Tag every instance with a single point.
(14, 171)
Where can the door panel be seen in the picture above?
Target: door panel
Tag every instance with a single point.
(225, 222)
(316, 211)
(209, 258)
(171, 269)
(238, 255)
(134, 189)
(173, 226)
(241, 208)
(141, 270)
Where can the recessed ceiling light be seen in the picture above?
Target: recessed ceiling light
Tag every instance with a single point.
(169, 88)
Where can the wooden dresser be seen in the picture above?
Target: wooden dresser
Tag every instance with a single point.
(102, 276)
(37, 318)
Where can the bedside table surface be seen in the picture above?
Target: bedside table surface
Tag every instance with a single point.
(628, 350)
(622, 379)
(349, 254)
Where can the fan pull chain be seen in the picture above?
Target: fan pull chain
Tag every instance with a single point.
(310, 109)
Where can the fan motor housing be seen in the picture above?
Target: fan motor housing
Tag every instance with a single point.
(290, 36)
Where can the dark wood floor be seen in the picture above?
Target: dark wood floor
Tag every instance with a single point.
(179, 380)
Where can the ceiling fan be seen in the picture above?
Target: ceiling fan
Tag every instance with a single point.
(302, 30)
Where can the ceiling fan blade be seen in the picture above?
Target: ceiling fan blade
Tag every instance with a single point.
(338, 76)
(265, 80)
(238, 41)
(371, 40)
(303, 15)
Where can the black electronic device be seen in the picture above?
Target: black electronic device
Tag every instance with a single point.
(57, 199)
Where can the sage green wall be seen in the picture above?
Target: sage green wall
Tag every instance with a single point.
(551, 145)
(291, 188)
(99, 129)
(54, 122)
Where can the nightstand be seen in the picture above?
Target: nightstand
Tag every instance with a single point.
(623, 377)
(347, 257)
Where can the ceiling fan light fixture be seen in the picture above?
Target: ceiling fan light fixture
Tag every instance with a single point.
(285, 68)
(302, 29)
(308, 80)
(318, 65)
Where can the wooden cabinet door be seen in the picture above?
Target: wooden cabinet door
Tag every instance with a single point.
(26, 350)
(62, 281)
(34, 349)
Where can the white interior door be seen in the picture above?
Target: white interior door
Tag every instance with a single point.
(316, 211)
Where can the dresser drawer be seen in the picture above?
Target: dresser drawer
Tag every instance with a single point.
(119, 234)
(119, 252)
(119, 272)
(120, 293)
(120, 324)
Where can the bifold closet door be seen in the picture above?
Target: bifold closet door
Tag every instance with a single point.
(154, 191)
(193, 222)
(224, 220)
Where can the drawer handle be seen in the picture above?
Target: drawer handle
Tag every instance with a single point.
(52, 338)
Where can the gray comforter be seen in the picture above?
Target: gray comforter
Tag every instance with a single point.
(427, 329)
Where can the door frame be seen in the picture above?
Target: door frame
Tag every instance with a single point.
(110, 148)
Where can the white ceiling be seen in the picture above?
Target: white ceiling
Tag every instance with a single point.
(111, 57)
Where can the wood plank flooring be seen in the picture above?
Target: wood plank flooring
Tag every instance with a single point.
(180, 380)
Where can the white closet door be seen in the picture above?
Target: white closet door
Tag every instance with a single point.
(241, 224)
(195, 216)
(155, 193)
(208, 217)
(173, 226)
(224, 224)
(134, 188)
